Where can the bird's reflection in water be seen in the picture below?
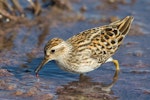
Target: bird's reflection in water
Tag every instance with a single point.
(86, 89)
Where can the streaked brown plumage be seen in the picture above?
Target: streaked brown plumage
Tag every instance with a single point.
(89, 49)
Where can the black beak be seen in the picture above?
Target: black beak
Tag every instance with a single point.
(41, 65)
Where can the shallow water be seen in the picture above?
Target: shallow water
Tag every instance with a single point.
(26, 53)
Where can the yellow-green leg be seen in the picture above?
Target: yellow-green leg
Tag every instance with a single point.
(115, 78)
(116, 63)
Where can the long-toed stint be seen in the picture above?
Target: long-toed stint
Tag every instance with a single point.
(89, 49)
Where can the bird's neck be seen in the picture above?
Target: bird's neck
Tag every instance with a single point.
(63, 59)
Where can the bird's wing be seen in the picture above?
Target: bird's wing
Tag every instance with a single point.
(102, 41)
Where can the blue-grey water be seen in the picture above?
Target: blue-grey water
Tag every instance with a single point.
(26, 53)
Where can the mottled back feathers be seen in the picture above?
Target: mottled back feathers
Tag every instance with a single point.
(102, 41)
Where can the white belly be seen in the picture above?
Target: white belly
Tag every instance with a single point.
(85, 69)
(82, 67)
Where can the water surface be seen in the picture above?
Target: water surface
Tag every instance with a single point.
(26, 52)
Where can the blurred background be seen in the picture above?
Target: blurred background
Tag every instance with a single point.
(26, 26)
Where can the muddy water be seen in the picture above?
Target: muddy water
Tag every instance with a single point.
(24, 52)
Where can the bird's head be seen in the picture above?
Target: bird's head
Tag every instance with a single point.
(55, 49)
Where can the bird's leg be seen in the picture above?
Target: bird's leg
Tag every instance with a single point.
(115, 77)
(84, 78)
(116, 64)
(81, 75)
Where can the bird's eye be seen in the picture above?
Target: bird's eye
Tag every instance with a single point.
(44, 51)
(52, 51)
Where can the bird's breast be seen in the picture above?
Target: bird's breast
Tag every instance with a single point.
(80, 67)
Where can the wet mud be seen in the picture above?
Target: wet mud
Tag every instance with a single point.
(25, 29)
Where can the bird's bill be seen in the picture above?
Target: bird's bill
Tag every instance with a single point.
(41, 65)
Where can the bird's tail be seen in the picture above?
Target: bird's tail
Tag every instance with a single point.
(124, 25)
